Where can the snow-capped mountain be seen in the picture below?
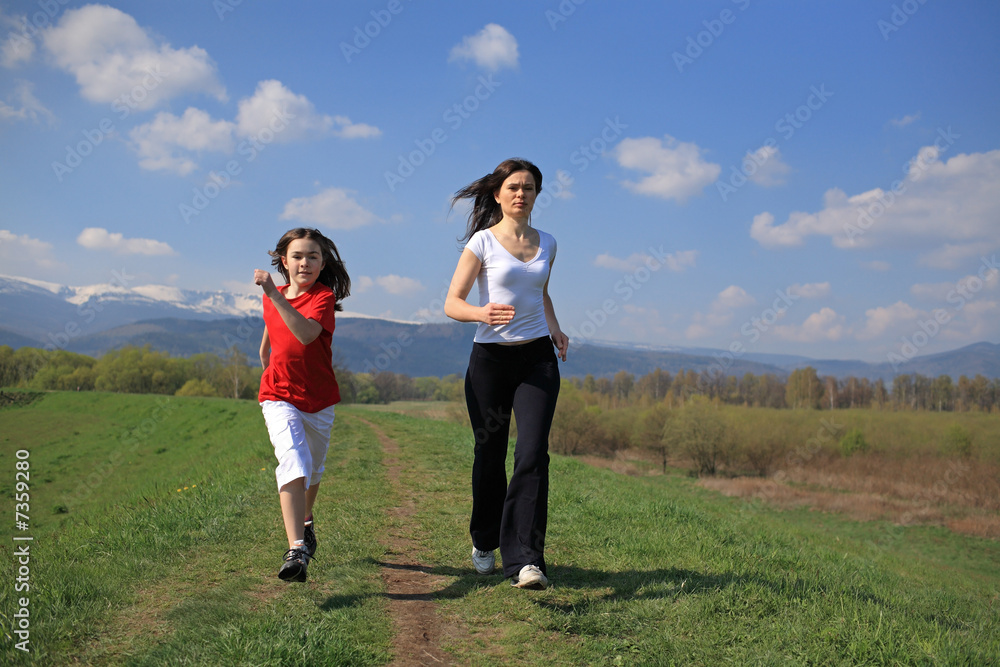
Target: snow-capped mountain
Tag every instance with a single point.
(37, 308)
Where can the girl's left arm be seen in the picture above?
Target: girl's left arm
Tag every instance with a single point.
(560, 339)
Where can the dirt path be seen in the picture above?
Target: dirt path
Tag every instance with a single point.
(409, 586)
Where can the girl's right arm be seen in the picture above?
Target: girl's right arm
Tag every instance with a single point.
(455, 305)
(265, 349)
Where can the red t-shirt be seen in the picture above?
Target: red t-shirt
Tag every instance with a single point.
(301, 374)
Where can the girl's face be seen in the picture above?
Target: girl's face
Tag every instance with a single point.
(517, 195)
(304, 262)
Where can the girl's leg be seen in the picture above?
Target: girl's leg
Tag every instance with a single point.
(293, 510)
(525, 512)
(311, 499)
(488, 393)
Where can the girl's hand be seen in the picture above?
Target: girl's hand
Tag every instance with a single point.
(263, 278)
(561, 341)
(496, 314)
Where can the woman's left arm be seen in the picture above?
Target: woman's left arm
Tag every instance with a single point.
(559, 339)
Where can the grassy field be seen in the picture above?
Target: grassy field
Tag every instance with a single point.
(157, 536)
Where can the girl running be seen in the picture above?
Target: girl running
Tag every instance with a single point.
(298, 388)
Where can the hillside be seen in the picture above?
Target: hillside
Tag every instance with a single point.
(94, 319)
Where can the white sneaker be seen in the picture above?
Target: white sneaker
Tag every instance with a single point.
(484, 561)
(530, 577)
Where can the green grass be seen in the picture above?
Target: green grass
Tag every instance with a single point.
(645, 571)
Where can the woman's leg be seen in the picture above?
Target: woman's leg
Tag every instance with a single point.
(488, 394)
(525, 513)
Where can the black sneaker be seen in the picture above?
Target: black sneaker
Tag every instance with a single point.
(294, 567)
(309, 539)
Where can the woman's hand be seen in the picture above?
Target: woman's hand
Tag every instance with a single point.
(496, 314)
(561, 341)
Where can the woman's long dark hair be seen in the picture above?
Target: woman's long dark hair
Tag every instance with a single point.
(485, 209)
(334, 273)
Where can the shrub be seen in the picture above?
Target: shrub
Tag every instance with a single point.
(957, 442)
(196, 388)
(699, 431)
(853, 441)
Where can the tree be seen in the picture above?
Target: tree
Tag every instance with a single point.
(803, 389)
(650, 432)
(700, 431)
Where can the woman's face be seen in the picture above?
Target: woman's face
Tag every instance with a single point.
(517, 195)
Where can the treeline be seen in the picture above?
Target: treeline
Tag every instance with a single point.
(144, 370)
(803, 388)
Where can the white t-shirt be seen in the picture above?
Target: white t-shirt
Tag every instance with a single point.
(506, 279)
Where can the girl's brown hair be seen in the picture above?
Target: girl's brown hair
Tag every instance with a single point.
(485, 209)
(334, 274)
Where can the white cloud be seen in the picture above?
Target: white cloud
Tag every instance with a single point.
(343, 127)
(949, 208)
(676, 169)
(677, 261)
(167, 141)
(25, 256)
(720, 313)
(30, 108)
(158, 142)
(291, 117)
(111, 57)
(629, 264)
(809, 290)
(826, 325)
(877, 265)
(905, 120)
(333, 208)
(770, 168)
(394, 284)
(17, 48)
(886, 319)
(391, 283)
(98, 238)
(491, 48)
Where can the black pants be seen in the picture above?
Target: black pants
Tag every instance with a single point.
(525, 379)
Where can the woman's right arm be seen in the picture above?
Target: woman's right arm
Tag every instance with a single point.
(455, 305)
(265, 349)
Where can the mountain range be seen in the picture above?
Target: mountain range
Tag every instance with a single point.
(94, 319)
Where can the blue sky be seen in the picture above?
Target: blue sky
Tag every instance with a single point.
(807, 178)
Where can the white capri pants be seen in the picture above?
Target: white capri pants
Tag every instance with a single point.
(300, 439)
